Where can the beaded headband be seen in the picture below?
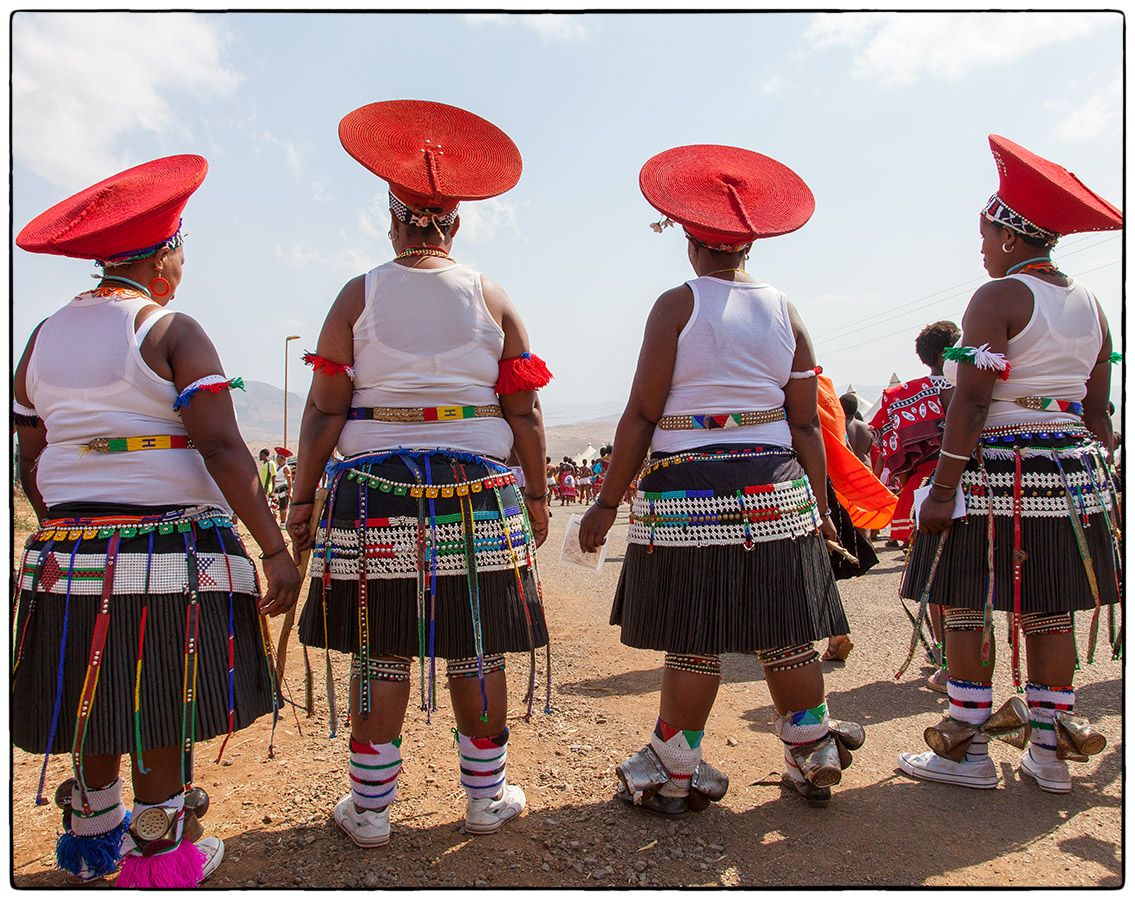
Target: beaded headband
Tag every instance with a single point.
(120, 259)
(997, 212)
(420, 218)
(667, 222)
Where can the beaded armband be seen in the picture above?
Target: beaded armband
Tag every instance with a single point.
(526, 372)
(807, 373)
(24, 415)
(980, 358)
(213, 384)
(1115, 358)
(325, 366)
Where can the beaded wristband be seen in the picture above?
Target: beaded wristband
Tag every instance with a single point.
(603, 505)
(953, 455)
(528, 496)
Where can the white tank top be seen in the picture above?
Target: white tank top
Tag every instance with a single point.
(734, 355)
(425, 338)
(87, 379)
(1052, 357)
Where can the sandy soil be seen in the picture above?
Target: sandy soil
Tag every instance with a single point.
(882, 828)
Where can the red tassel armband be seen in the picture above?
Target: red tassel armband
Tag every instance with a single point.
(526, 372)
(326, 366)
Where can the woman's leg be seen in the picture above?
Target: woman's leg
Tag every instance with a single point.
(482, 742)
(376, 738)
(90, 846)
(1051, 648)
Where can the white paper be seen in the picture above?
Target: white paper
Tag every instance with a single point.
(920, 495)
(572, 553)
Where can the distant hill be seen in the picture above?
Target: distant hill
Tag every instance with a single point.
(260, 414)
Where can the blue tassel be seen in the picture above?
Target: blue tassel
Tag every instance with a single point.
(100, 853)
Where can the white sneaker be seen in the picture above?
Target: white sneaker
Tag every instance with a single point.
(1050, 775)
(214, 850)
(370, 828)
(485, 815)
(932, 767)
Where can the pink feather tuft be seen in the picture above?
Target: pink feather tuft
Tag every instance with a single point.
(181, 867)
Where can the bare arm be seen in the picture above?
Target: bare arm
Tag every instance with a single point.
(210, 421)
(522, 410)
(993, 315)
(802, 411)
(649, 391)
(325, 414)
(1096, 418)
(33, 439)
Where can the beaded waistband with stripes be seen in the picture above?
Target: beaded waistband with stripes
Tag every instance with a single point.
(423, 413)
(140, 442)
(721, 420)
(677, 459)
(1050, 404)
(702, 518)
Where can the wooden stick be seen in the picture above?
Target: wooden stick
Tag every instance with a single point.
(290, 616)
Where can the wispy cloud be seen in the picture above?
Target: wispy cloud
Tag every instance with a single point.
(897, 49)
(483, 220)
(144, 63)
(291, 151)
(773, 86)
(1086, 119)
(347, 261)
(549, 26)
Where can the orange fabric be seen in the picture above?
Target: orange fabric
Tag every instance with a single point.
(866, 499)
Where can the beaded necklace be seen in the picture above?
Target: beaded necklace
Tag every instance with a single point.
(422, 251)
(122, 279)
(1038, 263)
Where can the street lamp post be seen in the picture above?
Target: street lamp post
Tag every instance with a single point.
(287, 340)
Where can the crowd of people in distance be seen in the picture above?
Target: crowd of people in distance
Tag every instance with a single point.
(573, 482)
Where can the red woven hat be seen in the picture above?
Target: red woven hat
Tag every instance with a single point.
(125, 215)
(284, 452)
(433, 154)
(1046, 194)
(726, 195)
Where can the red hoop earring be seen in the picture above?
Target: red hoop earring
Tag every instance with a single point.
(159, 287)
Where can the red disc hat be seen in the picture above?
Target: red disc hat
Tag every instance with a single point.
(726, 195)
(432, 154)
(127, 214)
(283, 451)
(1045, 194)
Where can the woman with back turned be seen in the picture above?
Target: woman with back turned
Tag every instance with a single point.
(1028, 441)
(424, 380)
(726, 551)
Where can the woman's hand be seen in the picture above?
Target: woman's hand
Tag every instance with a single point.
(538, 518)
(283, 584)
(299, 529)
(828, 529)
(935, 515)
(597, 521)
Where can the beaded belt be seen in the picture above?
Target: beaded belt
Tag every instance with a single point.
(1055, 433)
(423, 413)
(678, 459)
(89, 527)
(721, 420)
(1044, 404)
(141, 442)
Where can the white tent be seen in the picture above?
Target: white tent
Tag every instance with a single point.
(586, 456)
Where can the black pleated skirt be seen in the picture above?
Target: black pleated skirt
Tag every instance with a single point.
(1054, 572)
(432, 586)
(54, 633)
(735, 598)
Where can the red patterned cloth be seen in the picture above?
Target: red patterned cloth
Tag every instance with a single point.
(902, 525)
(909, 423)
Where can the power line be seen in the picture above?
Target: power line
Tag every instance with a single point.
(901, 309)
(880, 337)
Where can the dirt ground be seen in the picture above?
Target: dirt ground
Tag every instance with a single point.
(882, 828)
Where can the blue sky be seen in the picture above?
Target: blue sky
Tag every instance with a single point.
(885, 116)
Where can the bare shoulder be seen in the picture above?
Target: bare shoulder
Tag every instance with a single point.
(351, 299)
(678, 302)
(993, 295)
